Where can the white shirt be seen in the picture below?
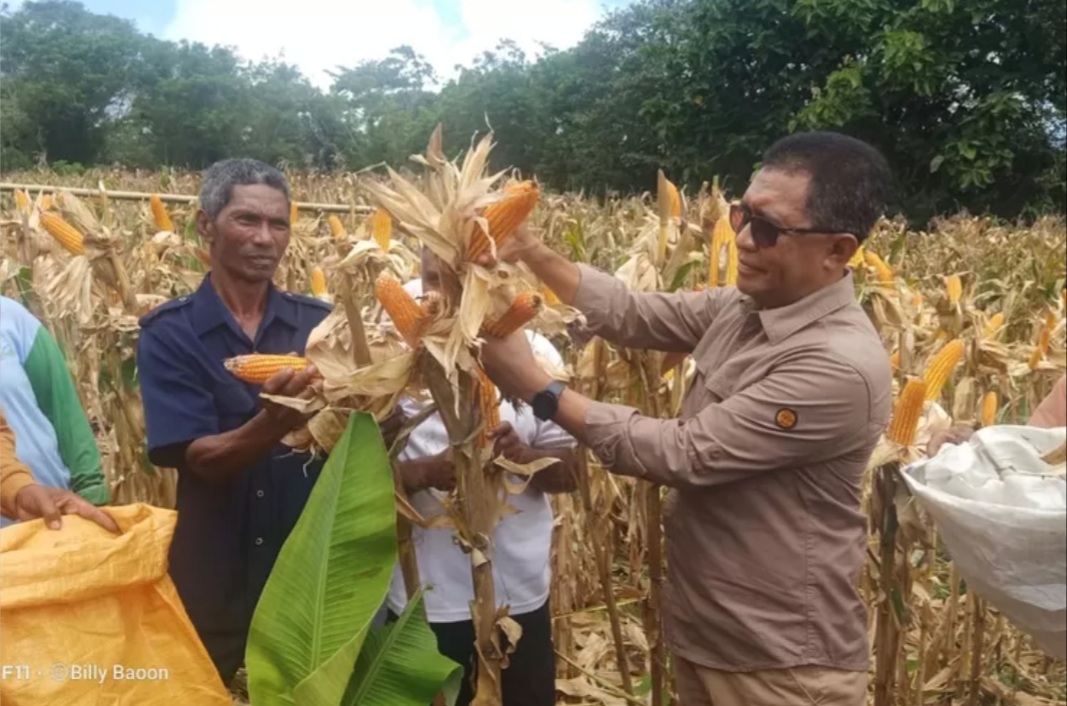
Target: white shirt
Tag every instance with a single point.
(522, 541)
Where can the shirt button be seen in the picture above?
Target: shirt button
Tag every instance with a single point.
(259, 541)
(259, 493)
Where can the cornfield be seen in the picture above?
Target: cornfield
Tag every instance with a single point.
(971, 311)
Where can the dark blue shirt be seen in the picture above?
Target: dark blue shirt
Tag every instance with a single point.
(229, 532)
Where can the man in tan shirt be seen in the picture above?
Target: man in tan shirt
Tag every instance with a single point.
(765, 532)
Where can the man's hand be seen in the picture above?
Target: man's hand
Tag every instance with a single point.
(39, 501)
(956, 435)
(513, 249)
(436, 472)
(506, 442)
(288, 383)
(511, 365)
(391, 426)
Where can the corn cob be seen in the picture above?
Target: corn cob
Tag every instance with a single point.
(337, 228)
(22, 201)
(993, 326)
(159, 214)
(381, 228)
(294, 214)
(504, 216)
(731, 262)
(908, 412)
(674, 197)
(47, 202)
(894, 361)
(490, 407)
(432, 304)
(408, 317)
(1044, 342)
(318, 283)
(721, 234)
(858, 258)
(64, 233)
(990, 405)
(524, 308)
(257, 368)
(882, 271)
(941, 367)
(954, 288)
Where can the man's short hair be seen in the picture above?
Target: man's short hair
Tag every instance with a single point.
(220, 178)
(850, 179)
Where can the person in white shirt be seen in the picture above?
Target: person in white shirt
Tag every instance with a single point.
(521, 541)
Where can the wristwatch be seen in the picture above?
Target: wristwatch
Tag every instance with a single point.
(546, 402)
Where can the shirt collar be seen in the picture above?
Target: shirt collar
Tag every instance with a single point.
(209, 311)
(781, 323)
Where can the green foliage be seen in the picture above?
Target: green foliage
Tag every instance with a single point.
(311, 639)
(967, 100)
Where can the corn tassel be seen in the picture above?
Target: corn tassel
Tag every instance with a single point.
(337, 228)
(64, 233)
(159, 214)
(993, 326)
(257, 368)
(954, 288)
(941, 367)
(381, 228)
(990, 405)
(504, 216)
(908, 412)
(882, 271)
(524, 308)
(408, 317)
(489, 405)
(318, 283)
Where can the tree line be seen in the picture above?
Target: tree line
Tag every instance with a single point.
(966, 99)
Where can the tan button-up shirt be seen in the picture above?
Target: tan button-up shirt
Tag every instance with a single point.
(765, 532)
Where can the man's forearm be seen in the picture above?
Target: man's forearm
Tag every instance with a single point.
(420, 473)
(222, 456)
(557, 272)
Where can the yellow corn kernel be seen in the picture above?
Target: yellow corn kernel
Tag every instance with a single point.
(318, 283)
(408, 317)
(721, 234)
(22, 201)
(381, 227)
(524, 308)
(159, 214)
(337, 228)
(64, 233)
(882, 271)
(908, 412)
(990, 405)
(504, 216)
(993, 326)
(954, 288)
(257, 368)
(941, 367)
(489, 406)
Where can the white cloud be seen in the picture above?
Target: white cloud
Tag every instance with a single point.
(319, 35)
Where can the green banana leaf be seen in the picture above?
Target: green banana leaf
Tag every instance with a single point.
(400, 665)
(330, 579)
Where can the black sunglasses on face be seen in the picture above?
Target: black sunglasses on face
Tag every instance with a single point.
(764, 232)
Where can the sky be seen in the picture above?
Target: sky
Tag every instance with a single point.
(319, 35)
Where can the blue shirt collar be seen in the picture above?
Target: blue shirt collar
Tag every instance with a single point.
(209, 311)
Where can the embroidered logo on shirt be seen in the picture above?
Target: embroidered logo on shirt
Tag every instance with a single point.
(786, 418)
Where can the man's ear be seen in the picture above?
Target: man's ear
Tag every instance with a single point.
(843, 248)
(204, 227)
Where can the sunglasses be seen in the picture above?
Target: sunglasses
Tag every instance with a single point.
(764, 232)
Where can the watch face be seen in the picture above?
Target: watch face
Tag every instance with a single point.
(544, 405)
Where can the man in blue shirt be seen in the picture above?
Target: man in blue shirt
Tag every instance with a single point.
(240, 491)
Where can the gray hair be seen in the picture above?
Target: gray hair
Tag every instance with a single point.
(220, 178)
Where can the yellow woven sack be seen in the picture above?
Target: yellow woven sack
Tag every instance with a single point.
(90, 617)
